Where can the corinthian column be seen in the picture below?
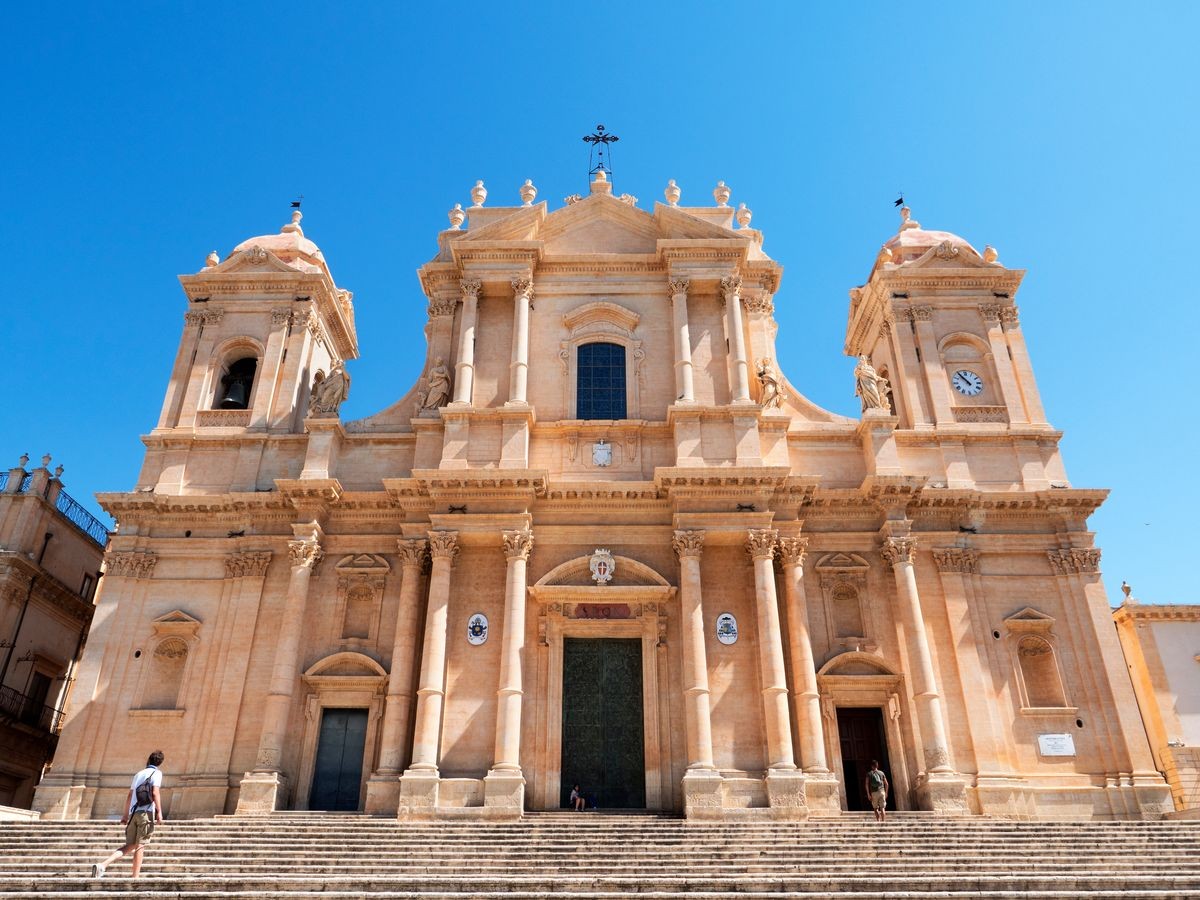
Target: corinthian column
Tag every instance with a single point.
(898, 552)
(688, 545)
(464, 378)
(399, 696)
(519, 373)
(517, 546)
(760, 544)
(262, 790)
(731, 290)
(443, 548)
(684, 390)
(804, 671)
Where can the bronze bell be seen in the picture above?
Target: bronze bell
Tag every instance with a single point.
(236, 394)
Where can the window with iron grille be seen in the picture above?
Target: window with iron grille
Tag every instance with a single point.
(600, 388)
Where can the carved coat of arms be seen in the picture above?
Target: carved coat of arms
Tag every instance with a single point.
(602, 454)
(477, 629)
(603, 566)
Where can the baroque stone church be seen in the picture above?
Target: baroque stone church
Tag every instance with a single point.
(604, 541)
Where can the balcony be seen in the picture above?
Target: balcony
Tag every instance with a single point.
(18, 707)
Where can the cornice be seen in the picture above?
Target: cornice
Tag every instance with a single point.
(1131, 611)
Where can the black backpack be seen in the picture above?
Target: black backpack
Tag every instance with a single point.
(143, 794)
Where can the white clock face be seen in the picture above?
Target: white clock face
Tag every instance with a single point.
(966, 382)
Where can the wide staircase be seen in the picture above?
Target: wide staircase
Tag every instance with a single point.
(603, 857)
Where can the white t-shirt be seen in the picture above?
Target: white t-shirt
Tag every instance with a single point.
(154, 776)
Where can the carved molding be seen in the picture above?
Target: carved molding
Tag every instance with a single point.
(412, 553)
(898, 550)
(792, 550)
(281, 315)
(443, 545)
(760, 542)
(517, 544)
(990, 313)
(980, 414)
(252, 563)
(206, 316)
(956, 559)
(131, 563)
(223, 418)
(921, 313)
(1074, 562)
(305, 553)
(946, 250)
(688, 544)
(1010, 316)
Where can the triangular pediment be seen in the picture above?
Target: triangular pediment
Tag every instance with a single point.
(176, 616)
(1029, 619)
(362, 564)
(599, 224)
(678, 225)
(842, 561)
(523, 224)
(175, 622)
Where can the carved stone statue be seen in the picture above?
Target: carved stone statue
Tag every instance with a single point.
(437, 387)
(870, 386)
(328, 392)
(772, 395)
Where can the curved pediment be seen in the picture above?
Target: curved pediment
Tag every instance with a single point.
(577, 572)
(858, 663)
(346, 664)
(601, 312)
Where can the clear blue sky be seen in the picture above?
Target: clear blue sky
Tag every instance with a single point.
(138, 138)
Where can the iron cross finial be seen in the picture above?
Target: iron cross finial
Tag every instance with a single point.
(598, 141)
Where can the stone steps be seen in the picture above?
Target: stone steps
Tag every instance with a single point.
(597, 857)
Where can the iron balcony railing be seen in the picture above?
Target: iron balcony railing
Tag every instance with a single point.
(72, 510)
(17, 706)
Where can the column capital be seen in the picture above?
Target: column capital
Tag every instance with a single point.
(792, 550)
(679, 286)
(731, 286)
(688, 544)
(522, 286)
(897, 550)
(517, 544)
(305, 553)
(441, 306)
(251, 563)
(760, 303)
(443, 545)
(1075, 562)
(1010, 317)
(130, 563)
(956, 559)
(470, 287)
(760, 542)
(412, 552)
(990, 313)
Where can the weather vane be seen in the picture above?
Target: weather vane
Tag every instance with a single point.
(599, 141)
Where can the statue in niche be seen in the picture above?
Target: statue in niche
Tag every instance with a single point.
(328, 392)
(772, 394)
(437, 388)
(870, 386)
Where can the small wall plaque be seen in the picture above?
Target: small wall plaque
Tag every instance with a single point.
(477, 629)
(1056, 745)
(727, 630)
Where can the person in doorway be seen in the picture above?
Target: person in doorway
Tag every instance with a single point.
(143, 808)
(877, 786)
(578, 803)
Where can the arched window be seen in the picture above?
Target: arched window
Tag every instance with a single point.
(233, 392)
(600, 382)
(166, 674)
(1043, 687)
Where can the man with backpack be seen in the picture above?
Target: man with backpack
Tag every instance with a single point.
(143, 808)
(877, 786)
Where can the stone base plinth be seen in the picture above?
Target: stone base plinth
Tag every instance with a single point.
(823, 791)
(59, 799)
(702, 794)
(262, 793)
(786, 794)
(945, 794)
(504, 794)
(418, 795)
(383, 794)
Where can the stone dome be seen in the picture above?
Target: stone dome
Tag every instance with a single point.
(913, 241)
(291, 246)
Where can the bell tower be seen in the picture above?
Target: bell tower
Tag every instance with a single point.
(260, 327)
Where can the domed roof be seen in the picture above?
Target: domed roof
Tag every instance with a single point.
(290, 245)
(913, 241)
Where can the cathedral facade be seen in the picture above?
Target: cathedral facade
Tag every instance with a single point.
(603, 541)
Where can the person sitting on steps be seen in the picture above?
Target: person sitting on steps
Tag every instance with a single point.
(578, 803)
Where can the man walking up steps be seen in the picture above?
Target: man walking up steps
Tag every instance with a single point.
(143, 808)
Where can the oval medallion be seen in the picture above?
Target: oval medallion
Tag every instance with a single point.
(727, 632)
(477, 629)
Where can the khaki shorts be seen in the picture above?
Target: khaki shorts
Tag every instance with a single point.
(140, 829)
(879, 799)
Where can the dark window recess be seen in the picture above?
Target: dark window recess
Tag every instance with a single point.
(235, 385)
(600, 384)
(85, 590)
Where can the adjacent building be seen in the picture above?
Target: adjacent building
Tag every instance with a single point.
(603, 540)
(50, 554)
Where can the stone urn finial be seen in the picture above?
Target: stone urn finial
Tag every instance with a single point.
(23, 461)
(672, 193)
(528, 193)
(457, 217)
(212, 259)
(478, 193)
(743, 215)
(721, 194)
(46, 461)
(293, 227)
(885, 255)
(990, 254)
(906, 219)
(58, 470)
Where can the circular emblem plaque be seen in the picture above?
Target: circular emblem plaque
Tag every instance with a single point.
(727, 632)
(477, 629)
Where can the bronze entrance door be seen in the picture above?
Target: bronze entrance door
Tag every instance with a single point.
(603, 747)
(860, 733)
(337, 774)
